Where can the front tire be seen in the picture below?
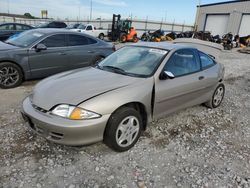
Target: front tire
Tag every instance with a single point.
(123, 129)
(123, 38)
(10, 75)
(217, 97)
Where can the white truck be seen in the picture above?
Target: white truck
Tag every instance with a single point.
(91, 30)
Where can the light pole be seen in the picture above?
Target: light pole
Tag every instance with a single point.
(79, 12)
(8, 1)
(90, 15)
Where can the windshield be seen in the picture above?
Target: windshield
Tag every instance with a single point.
(81, 26)
(133, 61)
(42, 25)
(72, 26)
(25, 39)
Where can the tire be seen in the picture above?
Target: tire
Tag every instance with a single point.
(96, 60)
(116, 125)
(11, 75)
(212, 102)
(101, 36)
(135, 39)
(123, 38)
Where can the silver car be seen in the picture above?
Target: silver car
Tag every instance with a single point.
(117, 99)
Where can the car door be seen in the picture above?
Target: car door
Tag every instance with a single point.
(209, 73)
(185, 89)
(52, 60)
(6, 30)
(81, 50)
(90, 31)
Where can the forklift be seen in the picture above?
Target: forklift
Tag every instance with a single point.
(122, 30)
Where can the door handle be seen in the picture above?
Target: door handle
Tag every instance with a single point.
(62, 53)
(201, 77)
(91, 52)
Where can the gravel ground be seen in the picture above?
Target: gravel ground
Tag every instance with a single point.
(196, 147)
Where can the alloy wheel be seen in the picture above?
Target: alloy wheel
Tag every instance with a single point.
(8, 76)
(218, 95)
(127, 131)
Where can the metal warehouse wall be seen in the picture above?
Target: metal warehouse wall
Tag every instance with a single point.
(235, 9)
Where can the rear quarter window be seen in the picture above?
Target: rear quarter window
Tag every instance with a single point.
(206, 61)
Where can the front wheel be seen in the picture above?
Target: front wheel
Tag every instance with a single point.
(10, 75)
(123, 38)
(217, 97)
(123, 129)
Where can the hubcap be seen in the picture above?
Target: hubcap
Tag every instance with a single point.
(8, 76)
(218, 96)
(127, 131)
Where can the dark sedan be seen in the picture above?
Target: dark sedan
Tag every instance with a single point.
(53, 24)
(42, 52)
(9, 29)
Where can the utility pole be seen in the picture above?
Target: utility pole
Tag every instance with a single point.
(79, 12)
(90, 15)
(8, 1)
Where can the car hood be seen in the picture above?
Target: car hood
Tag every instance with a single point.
(74, 87)
(4, 46)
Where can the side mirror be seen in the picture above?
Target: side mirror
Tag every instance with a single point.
(40, 47)
(166, 74)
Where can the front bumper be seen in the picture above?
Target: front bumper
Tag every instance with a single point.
(61, 130)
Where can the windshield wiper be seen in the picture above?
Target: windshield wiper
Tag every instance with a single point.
(115, 69)
(9, 43)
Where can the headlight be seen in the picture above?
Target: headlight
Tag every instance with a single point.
(73, 112)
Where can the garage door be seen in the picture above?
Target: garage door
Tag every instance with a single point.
(217, 24)
(245, 26)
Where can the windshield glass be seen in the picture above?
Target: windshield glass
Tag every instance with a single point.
(25, 39)
(133, 61)
(72, 26)
(42, 25)
(81, 26)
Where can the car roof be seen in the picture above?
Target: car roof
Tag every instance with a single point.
(163, 45)
(53, 30)
(6, 23)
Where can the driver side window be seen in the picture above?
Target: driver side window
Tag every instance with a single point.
(55, 41)
(182, 62)
(89, 28)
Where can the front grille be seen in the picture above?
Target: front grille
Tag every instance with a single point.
(39, 108)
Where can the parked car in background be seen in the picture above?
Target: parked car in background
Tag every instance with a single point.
(73, 26)
(9, 29)
(53, 24)
(91, 30)
(115, 100)
(42, 52)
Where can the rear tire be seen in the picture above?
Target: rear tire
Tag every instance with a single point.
(123, 129)
(135, 39)
(101, 36)
(217, 97)
(96, 60)
(11, 75)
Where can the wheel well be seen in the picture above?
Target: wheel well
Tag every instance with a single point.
(8, 61)
(140, 108)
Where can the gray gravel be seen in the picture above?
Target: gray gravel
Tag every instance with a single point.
(196, 147)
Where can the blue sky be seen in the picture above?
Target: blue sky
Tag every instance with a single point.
(179, 11)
